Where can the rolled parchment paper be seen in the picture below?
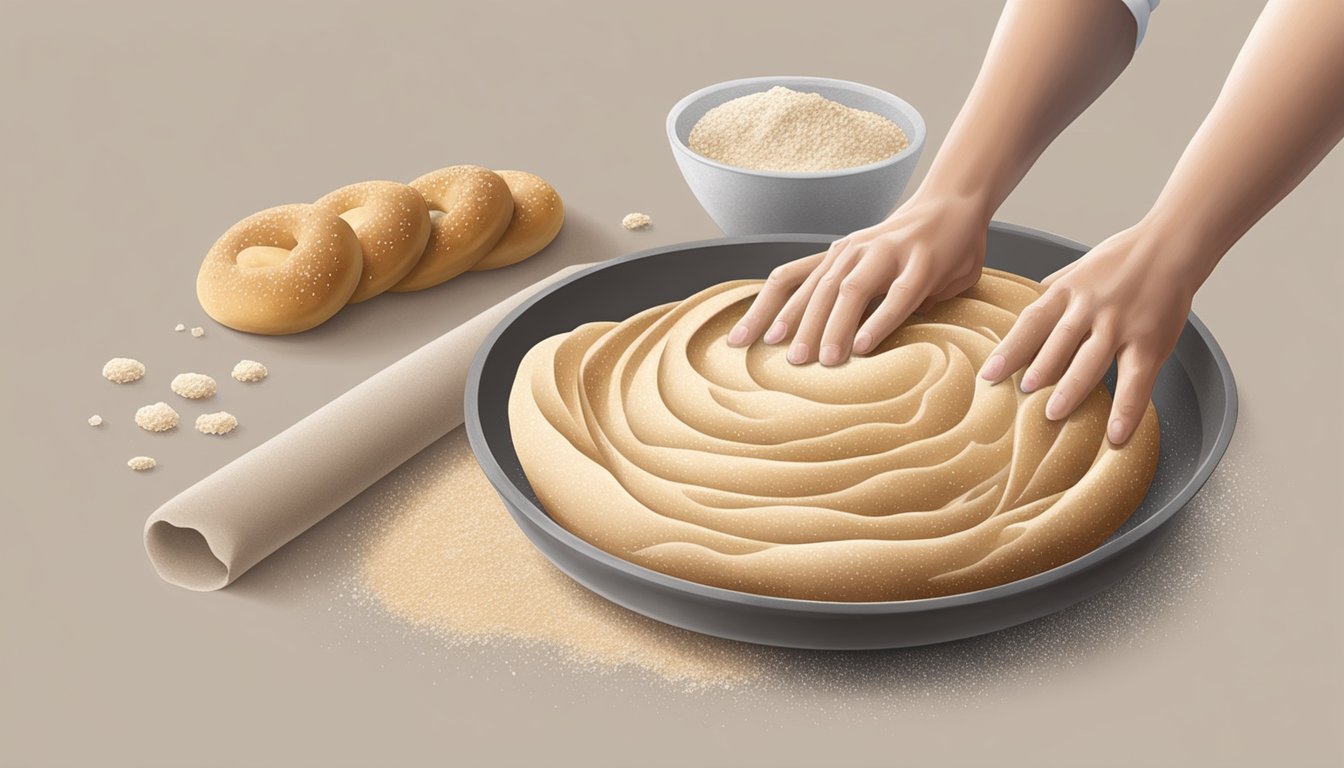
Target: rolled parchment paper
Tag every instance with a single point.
(211, 533)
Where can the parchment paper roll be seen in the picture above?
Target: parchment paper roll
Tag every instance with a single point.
(211, 533)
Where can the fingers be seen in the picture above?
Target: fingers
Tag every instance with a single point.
(1082, 377)
(1062, 271)
(776, 291)
(818, 308)
(856, 290)
(953, 289)
(790, 318)
(1027, 335)
(1133, 389)
(1057, 351)
(903, 297)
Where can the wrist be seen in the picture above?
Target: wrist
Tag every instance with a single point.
(966, 175)
(1155, 248)
(970, 205)
(1177, 247)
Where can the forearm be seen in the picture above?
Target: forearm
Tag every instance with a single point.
(1048, 60)
(1279, 113)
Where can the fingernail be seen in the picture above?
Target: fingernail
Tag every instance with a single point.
(1030, 381)
(1116, 433)
(776, 332)
(798, 353)
(738, 334)
(993, 368)
(830, 354)
(1053, 408)
(863, 342)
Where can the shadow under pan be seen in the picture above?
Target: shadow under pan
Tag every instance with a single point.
(1195, 397)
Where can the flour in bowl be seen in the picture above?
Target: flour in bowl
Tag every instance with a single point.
(786, 130)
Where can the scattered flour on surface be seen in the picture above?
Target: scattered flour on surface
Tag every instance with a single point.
(446, 558)
(95, 420)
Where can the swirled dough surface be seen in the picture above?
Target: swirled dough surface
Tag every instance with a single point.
(900, 474)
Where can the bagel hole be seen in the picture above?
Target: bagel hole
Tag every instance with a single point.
(257, 256)
(435, 215)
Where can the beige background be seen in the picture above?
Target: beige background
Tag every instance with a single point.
(134, 135)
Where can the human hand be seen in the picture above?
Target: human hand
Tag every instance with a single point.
(1125, 300)
(929, 249)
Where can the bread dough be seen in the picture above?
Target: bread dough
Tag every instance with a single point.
(470, 208)
(897, 475)
(391, 222)
(538, 213)
(283, 270)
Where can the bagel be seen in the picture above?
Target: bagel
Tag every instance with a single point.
(898, 475)
(538, 213)
(476, 207)
(283, 270)
(391, 222)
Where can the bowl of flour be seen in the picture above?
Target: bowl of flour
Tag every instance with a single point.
(795, 154)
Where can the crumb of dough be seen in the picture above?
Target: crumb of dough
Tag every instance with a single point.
(249, 371)
(193, 386)
(179, 327)
(95, 420)
(198, 331)
(159, 417)
(633, 221)
(142, 463)
(220, 423)
(123, 370)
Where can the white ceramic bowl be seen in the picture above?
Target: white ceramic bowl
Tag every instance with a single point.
(749, 202)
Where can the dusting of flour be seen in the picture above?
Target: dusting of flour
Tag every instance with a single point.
(786, 130)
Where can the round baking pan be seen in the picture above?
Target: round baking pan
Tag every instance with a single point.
(1195, 396)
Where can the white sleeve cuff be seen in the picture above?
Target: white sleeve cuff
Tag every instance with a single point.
(1141, 9)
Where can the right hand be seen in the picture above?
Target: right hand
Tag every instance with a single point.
(930, 249)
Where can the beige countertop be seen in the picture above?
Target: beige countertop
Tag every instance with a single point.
(135, 135)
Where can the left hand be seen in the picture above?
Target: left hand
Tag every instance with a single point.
(1125, 300)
